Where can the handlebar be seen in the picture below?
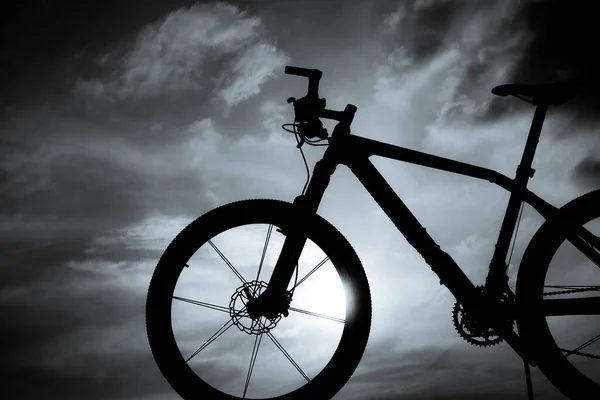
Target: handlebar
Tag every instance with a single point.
(313, 75)
(341, 116)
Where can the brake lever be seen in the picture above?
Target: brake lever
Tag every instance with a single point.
(307, 111)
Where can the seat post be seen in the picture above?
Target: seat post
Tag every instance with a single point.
(498, 265)
(524, 170)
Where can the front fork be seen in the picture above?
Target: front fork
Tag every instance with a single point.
(275, 299)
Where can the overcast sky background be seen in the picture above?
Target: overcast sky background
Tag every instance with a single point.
(121, 123)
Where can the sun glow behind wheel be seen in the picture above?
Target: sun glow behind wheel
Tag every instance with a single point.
(310, 334)
(322, 292)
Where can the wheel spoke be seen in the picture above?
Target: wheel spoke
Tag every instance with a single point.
(262, 259)
(235, 271)
(200, 303)
(588, 244)
(578, 306)
(286, 354)
(582, 346)
(312, 271)
(317, 315)
(252, 362)
(218, 333)
(586, 344)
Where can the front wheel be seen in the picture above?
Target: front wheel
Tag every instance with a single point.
(558, 293)
(201, 335)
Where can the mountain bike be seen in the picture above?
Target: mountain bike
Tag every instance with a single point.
(263, 298)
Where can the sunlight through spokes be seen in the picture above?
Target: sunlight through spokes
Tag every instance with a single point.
(312, 271)
(218, 333)
(286, 354)
(307, 338)
(262, 258)
(230, 265)
(201, 303)
(252, 362)
(320, 290)
(318, 315)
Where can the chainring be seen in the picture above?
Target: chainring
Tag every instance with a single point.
(476, 332)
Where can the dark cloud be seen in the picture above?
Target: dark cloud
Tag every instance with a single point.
(60, 317)
(563, 44)
(589, 172)
(47, 43)
(562, 38)
(540, 41)
(108, 377)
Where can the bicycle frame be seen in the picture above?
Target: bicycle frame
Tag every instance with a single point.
(354, 152)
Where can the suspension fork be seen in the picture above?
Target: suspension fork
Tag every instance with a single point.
(305, 206)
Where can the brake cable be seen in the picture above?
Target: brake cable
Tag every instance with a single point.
(300, 140)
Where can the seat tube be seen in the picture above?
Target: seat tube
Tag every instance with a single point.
(498, 265)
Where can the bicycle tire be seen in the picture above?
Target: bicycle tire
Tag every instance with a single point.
(158, 312)
(532, 324)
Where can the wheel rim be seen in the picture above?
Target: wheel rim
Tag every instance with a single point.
(305, 364)
(552, 272)
(571, 275)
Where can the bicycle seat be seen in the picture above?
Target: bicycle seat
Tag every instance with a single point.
(554, 94)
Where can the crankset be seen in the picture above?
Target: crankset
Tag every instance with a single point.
(476, 331)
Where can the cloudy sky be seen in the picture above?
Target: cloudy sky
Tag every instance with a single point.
(122, 123)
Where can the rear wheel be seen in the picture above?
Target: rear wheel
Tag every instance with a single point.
(558, 293)
(198, 295)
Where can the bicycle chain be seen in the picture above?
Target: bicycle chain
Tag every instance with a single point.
(571, 291)
(578, 353)
(590, 289)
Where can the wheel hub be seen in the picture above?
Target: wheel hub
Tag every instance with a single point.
(255, 314)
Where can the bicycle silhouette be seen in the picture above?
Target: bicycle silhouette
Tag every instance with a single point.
(483, 315)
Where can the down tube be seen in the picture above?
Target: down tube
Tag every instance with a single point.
(440, 262)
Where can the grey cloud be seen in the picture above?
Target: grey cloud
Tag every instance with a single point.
(487, 38)
(422, 26)
(428, 373)
(205, 49)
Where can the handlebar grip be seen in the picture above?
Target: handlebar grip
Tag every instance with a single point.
(313, 75)
(349, 112)
(306, 72)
